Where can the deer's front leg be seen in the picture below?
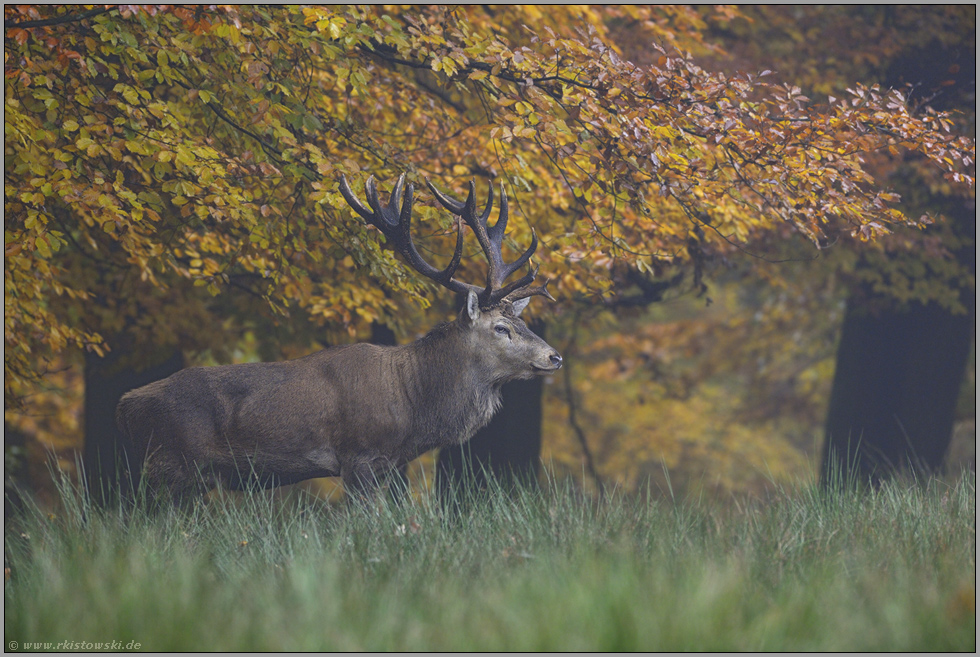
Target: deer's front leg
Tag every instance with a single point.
(364, 477)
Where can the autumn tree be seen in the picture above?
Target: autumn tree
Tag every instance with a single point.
(911, 317)
(910, 314)
(172, 173)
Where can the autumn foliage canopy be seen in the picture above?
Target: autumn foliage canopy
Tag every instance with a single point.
(165, 165)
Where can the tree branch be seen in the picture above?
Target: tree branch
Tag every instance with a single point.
(59, 20)
(650, 291)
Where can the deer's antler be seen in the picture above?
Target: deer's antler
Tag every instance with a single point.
(396, 223)
(397, 227)
(491, 240)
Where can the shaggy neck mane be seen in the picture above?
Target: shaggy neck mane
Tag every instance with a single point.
(454, 398)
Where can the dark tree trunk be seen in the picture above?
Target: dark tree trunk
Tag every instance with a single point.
(898, 376)
(381, 334)
(508, 449)
(894, 392)
(16, 477)
(106, 456)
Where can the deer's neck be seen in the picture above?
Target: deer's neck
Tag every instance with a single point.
(452, 394)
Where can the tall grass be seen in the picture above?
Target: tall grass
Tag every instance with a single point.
(891, 569)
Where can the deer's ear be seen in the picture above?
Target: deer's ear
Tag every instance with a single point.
(520, 305)
(472, 306)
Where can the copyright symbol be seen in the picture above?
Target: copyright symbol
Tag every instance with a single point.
(12, 645)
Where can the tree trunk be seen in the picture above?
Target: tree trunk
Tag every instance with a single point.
(894, 393)
(106, 456)
(508, 449)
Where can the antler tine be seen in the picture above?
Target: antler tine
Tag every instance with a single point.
(497, 237)
(397, 228)
(496, 232)
(385, 217)
(353, 201)
(524, 291)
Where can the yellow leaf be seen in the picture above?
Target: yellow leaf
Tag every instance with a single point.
(41, 243)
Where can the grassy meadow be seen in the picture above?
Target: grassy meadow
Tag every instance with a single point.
(549, 570)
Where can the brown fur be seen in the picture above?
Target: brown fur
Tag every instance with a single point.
(356, 411)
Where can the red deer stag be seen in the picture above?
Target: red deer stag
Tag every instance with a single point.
(356, 411)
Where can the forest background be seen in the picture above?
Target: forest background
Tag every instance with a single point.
(759, 222)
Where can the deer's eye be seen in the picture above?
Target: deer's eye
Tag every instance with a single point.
(502, 330)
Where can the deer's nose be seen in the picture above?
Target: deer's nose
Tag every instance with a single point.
(555, 360)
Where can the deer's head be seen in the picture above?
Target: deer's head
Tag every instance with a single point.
(490, 314)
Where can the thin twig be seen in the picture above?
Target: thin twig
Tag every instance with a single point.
(573, 419)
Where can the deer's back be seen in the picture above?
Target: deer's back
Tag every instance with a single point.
(346, 399)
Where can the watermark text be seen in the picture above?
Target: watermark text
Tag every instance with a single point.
(31, 646)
